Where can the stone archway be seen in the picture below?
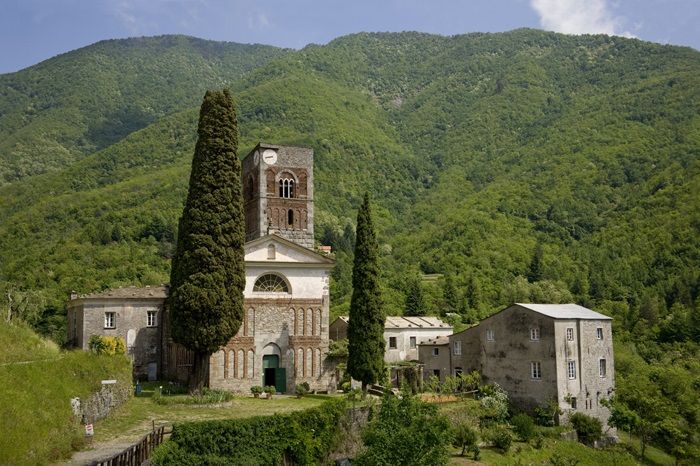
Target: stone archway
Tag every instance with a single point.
(273, 373)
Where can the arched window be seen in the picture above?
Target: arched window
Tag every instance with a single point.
(290, 217)
(271, 283)
(286, 187)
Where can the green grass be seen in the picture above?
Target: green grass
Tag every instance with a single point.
(652, 455)
(20, 343)
(131, 420)
(36, 422)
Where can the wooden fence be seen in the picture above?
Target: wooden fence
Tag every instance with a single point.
(136, 454)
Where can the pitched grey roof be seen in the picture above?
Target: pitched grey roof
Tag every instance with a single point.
(414, 322)
(150, 292)
(564, 311)
(438, 341)
(409, 322)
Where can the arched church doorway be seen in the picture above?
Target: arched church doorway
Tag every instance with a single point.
(273, 374)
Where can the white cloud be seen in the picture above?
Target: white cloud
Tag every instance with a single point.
(578, 17)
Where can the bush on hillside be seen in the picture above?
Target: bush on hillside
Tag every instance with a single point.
(524, 426)
(589, 429)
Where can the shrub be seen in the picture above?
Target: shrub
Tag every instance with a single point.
(465, 437)
(524, 426)
(545, 415)
(589, 429)
(270, 390)
(494, 404)
(107, 345)
(256, 390)
(302, 389)
(502, 439)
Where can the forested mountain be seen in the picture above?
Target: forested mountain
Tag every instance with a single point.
(522, 166)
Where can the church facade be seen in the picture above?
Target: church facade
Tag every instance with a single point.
(283, 339)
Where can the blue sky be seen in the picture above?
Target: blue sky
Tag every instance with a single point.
(34, 30)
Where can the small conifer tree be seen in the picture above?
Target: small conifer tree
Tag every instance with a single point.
(366, 326)
(208, 276)
(414, 304)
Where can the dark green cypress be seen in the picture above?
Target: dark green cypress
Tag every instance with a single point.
(449, 293)
(208, 270)
(414, 304)
(366, 326)
(534, 273)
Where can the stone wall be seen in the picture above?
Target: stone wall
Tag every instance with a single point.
(98, 405)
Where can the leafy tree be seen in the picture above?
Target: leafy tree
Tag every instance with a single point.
(208, 276)
(366, 326)
(406, 431)
(524, 426)
(414, 303)
(465, 437)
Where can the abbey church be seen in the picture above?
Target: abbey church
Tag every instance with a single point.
(283, 340)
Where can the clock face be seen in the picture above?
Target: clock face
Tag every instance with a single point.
(269, 156)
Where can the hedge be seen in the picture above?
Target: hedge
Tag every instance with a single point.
(304, 437)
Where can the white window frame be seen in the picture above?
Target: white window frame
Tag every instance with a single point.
(436, 352)
(412, 343)
(599, 333)
(569, 334)
(534, 334)
(457, 348)
(602, 368)
(395, 346)
(535, 370)
(110, 320)
(571, 369)
(151, 318)
(490, 335)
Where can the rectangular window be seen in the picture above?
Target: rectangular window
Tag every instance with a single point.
(571, 369)
(535, 370)
(570, 334)
(436, 351)
(535, 333)
(152, 319)
(392, 342)
(412, 342)
(599, 333)
(489, 335)
(458, 371)
(573, 402)
(110, 320)
(457, 348)
(602, 368)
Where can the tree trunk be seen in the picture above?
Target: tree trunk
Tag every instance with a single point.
(199, 379)
(364, 387)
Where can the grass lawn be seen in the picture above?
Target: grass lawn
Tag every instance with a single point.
(652, 455)
(134, 419)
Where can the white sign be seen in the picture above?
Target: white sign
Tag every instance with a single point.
(89, 431)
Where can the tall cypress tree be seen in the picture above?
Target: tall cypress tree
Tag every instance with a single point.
(366, 326)
(208, 270)
(449, 293)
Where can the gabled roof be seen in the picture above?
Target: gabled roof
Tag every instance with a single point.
(564, 311)
(394, 322)
(312, 256)
(130, 292)
(438, 341)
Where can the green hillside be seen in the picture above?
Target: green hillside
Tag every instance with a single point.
(54, 113)
(520, 166)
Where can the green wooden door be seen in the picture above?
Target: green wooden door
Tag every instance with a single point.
(281, 379)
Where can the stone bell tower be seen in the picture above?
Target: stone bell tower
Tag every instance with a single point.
(278, 193)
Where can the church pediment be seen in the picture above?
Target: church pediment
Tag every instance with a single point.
(275, 249)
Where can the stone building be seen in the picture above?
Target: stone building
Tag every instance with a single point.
(402, 334)
(434, 355)
(133, 314)
(543, 352)
(283, 340)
